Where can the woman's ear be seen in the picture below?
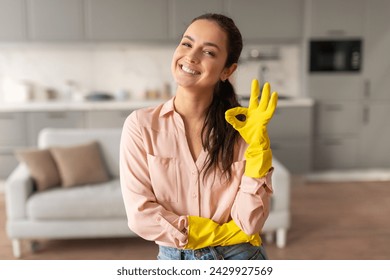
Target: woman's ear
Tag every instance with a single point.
(228, 71)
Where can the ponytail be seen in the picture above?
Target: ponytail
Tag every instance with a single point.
(219, 137)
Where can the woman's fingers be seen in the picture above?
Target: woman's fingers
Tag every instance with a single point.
(254, 98)
(272, 105)
(264, 100)
(231, 116)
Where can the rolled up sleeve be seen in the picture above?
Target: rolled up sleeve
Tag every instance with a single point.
(251, 207)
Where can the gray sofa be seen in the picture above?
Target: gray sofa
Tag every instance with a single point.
(96, 211)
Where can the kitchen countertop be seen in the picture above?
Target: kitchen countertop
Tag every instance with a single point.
(113, 105)
(290, 102)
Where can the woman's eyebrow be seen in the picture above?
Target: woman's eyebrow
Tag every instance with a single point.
(206, 43)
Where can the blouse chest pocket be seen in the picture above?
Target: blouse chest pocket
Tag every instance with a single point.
(163, 174)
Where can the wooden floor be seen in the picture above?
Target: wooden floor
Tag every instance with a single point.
(331, 221)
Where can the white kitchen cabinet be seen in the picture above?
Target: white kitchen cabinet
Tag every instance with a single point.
(55, 20)
(13, 20)
(13, 135)
(335, 152)
(13, 129)
(336, 86)
(337, 126)
(295, 155)
(338, 118)
(374, 136)
(183, 11)
(293, 122)
(374, 144)
(8, 162)
(106, 118)
(336, 131)
(336, 18)
(56, 119)
(290, 132)
(268, 20)
(127, 20)
(143, 20)
(376, 51)
(352, 127)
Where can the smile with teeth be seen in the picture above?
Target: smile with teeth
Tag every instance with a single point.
(189, 70)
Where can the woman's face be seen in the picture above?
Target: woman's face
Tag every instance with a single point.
(199, 60)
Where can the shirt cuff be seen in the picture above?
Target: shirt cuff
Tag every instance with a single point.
(253, 185)
(179, 233)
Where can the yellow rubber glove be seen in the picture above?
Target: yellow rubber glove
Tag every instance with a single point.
(254, 129)
(205, 232)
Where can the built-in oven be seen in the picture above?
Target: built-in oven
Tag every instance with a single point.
(335, 55)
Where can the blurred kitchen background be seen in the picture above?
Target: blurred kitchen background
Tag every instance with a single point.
(89, 63)
(327, 59)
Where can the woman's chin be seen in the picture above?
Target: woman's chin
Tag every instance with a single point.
(186, 82)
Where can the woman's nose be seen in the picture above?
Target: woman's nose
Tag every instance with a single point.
(192, 56)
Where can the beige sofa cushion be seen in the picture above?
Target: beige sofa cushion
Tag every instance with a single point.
(80, 164)
(42, 167)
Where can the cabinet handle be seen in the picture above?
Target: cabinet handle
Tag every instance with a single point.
(366, 115)
(367, 88)
(336, 32)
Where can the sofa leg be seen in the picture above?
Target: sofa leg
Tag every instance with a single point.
(281, 236)
(16, 248)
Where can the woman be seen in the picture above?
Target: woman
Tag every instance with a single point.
(194, 178)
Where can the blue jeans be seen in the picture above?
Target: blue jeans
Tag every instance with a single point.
(244, 251)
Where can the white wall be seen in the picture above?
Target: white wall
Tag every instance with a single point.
(103, 68)
(134, 68)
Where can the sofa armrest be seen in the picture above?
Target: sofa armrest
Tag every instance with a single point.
(281, 182)
(18, 187)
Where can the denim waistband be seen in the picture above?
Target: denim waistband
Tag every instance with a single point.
(244, 251)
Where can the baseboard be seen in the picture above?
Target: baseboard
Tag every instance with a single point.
(364, 175)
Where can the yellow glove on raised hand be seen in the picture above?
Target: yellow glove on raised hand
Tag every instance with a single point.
(254, 129)
(205, 232)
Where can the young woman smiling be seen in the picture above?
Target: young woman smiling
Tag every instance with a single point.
(195, 179)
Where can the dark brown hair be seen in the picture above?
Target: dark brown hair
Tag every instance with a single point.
(218, 136)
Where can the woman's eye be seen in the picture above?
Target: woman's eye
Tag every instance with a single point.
(185, 44)
(210, 53)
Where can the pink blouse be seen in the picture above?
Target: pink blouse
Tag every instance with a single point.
(162, 184)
